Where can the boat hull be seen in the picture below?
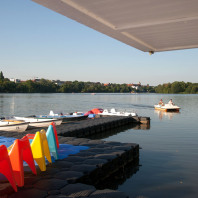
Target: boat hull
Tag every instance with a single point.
(40, 122)
(20, 127)
(44, 123)
(167, 108)
(67, 118)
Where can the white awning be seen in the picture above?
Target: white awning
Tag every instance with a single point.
(148, 25)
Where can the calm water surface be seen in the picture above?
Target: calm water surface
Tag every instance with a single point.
(169, 154)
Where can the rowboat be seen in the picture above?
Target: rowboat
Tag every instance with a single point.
(65, 117)
(38, 122)
(13, 125)
(113, 112)
(167, 107)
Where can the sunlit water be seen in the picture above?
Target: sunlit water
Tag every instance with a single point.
(169, 154)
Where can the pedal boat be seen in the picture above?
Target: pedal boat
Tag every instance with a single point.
(167, 107)
(114, 112)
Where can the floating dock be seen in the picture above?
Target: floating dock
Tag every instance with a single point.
(86, 128)
(86, 173)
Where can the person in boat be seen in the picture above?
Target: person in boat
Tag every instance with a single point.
(161, 103)
(170, 102)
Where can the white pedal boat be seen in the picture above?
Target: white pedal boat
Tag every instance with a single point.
(167, 107)
(113, 112)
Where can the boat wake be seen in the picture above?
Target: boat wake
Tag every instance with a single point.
(142, 106)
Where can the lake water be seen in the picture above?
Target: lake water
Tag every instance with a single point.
(169, 154)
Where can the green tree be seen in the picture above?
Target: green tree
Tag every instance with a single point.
(194, 89)
(159, 89)
(177, 87)
(9, 87)
(1, 76)
(21, 88)
(188, 87)
(31, 87)
(46, 86)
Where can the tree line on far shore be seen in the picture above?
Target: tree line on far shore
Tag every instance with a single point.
(178, 88)
(48, 86)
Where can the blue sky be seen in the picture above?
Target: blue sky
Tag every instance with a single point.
(38, 42)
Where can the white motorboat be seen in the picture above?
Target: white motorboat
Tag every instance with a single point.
(167, 107)
(113, 112)
(39, 122)
(13, 125)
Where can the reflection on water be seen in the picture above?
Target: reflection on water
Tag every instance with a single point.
(12, 105)
(119, 177)
(114, 131)
(166, 115)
